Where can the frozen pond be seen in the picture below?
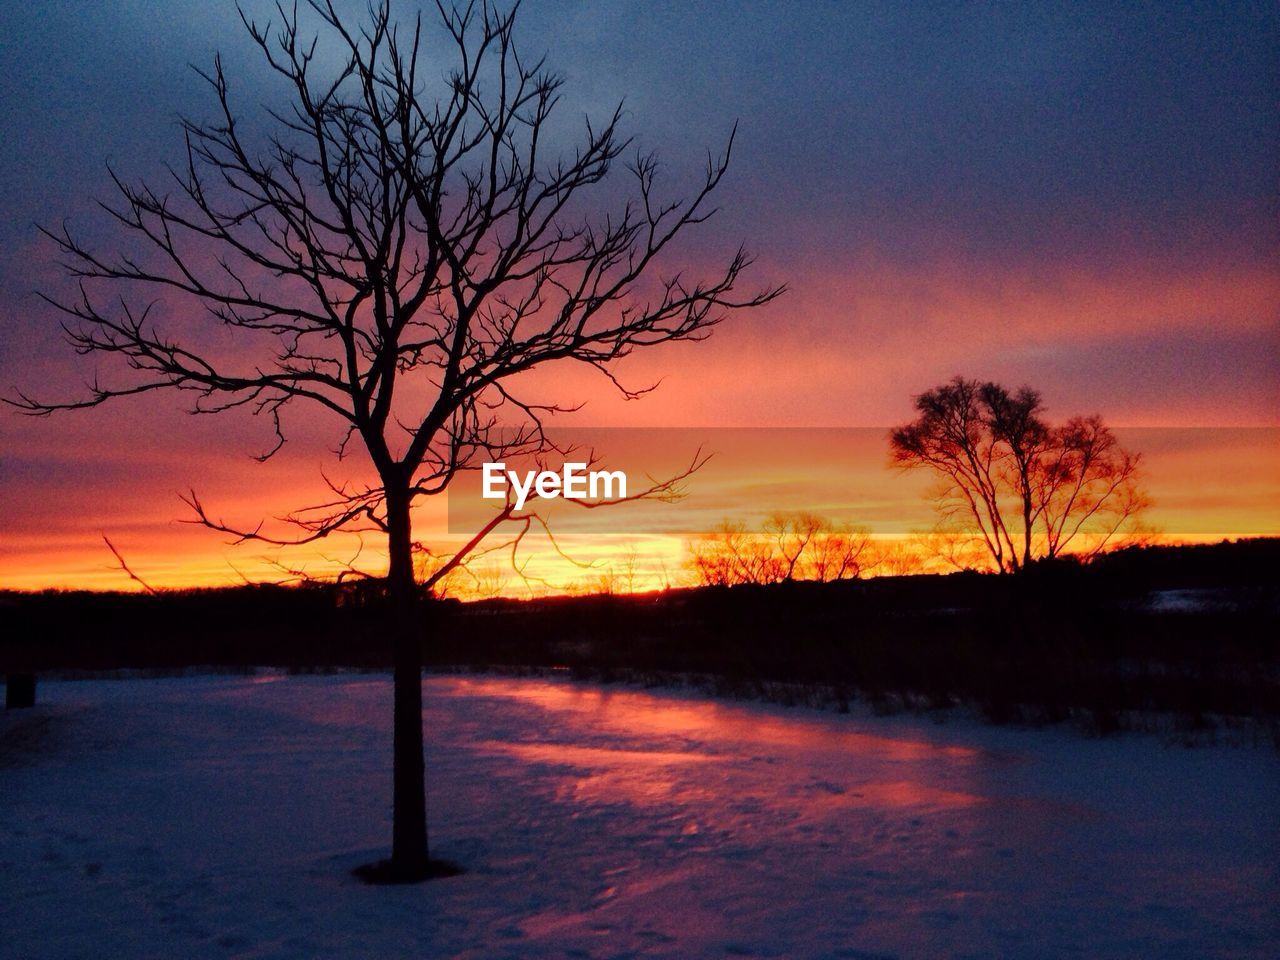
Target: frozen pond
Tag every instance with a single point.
(219, 817)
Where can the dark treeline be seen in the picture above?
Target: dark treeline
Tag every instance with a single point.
(1189, 631)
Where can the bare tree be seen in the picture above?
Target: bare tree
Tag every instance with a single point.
(790, 546)
(621, 575)
(838, 553)
(812, 547)
(1015, 484)
(403, 244)
(731, 555)
(893, 558)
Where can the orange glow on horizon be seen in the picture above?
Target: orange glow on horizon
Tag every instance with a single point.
(849, 345)
(1207, 485)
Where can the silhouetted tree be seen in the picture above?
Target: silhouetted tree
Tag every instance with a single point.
(788, 546)
(403, 244)
(1023, 488)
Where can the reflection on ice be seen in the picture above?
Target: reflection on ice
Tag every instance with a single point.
(629, 771)
(601, 822)
(904, 838)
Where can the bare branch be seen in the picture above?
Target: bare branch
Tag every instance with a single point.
(125, 567)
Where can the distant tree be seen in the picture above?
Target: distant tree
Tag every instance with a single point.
(895, 557)
(401, 244)
(788, 546)
(1019, 486)
(623, 574)
(731, 555)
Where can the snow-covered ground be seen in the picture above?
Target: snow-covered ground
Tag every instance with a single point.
(220, 817)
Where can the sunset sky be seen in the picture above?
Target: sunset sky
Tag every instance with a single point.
(1078, 197)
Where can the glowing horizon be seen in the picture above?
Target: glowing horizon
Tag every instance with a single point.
(1207, 484)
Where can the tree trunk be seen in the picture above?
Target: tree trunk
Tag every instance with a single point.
(409, 812)
(1026, 526)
